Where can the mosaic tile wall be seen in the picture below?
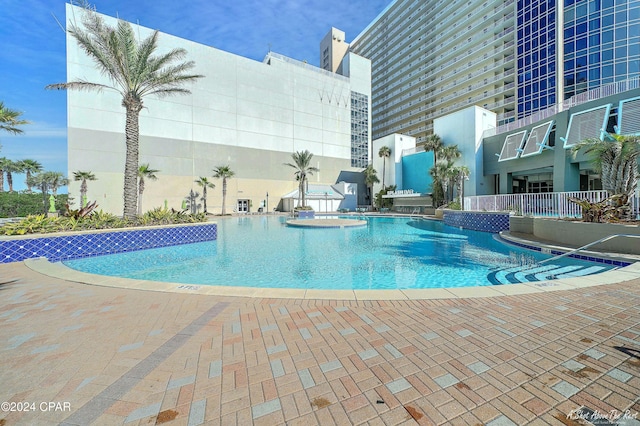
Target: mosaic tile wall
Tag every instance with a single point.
(57, 248)
(487, 222)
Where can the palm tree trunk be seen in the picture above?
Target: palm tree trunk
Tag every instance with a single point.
(140, 191)
(384, 166)
(302, 186)
(1, 180)
(83, 193)
(224, 195)
(10, 181)
(132, 134)
(28, 173)
(204, 198)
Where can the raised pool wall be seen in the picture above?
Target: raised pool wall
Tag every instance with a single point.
(477, 221)
(75, 245)
(577, 234)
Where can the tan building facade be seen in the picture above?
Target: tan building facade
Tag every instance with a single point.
(333, 49)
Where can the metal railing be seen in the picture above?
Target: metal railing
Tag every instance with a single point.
(591, 95)
(305, 65)
(555, 204)
(601, 240)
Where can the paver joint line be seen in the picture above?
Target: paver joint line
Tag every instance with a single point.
(93, 409)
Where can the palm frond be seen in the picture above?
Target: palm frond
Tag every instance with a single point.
(79, 85)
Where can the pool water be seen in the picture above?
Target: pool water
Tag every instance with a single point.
(389, 253)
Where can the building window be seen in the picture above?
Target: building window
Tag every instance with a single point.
(359, 130)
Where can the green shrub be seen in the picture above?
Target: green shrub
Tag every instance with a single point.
(385, 203)
(42, 224)
(454, 205)
(22, 204)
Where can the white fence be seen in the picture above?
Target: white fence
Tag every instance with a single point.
(544, 204)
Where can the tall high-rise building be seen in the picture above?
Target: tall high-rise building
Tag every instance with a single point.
(601, 43)
(433, 57)
(539, 82)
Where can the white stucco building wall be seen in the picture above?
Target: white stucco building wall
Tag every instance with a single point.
(246, 114)
(392, 171)
(464, 128)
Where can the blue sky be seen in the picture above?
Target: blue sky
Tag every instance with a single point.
(33, 52)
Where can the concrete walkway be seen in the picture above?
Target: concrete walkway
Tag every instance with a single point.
(103, 355)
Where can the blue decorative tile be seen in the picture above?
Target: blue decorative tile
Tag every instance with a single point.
(486, 222)
(87, 245)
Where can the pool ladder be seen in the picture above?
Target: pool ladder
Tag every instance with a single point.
(495, 277)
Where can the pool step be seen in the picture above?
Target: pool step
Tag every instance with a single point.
(520, 274)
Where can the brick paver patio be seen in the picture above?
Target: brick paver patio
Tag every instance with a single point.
(117, 356)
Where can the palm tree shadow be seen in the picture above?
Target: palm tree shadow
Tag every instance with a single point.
(4, 284)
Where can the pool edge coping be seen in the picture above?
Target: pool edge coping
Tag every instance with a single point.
(63, 272)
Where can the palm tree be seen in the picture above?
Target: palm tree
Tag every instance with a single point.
(224, 173)
(39, 181)
(144, 172)
(439, 186)
(442, 172)
(302, 164)
(433, 143)
(370, 177)
(84, 177)
(384, 152)
(54, 180)
(460, 173)
(10, 119)
(11, 167)
(449, 154)
(204, 183)
(616, 159)
(4, 162)
(29, 167)
(134, 72)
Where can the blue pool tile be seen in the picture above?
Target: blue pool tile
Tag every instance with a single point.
(565, 389)
(306, 379)
(398, 386)
(277, 369)
(330, 366)
(265, 408)
(368, 354)
(88, 245)
(619, 375)
(446, 380)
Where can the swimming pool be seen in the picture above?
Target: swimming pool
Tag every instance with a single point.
(389, 253)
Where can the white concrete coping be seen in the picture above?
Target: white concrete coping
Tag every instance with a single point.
(60, 271)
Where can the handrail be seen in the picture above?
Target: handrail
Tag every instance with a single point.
(601, 240)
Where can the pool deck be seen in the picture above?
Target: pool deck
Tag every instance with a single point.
(116, 355)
